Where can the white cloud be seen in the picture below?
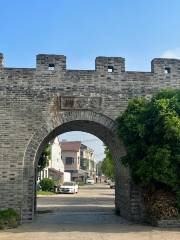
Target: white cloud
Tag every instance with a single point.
(171, 53)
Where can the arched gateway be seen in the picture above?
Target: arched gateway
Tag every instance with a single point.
(39, 104)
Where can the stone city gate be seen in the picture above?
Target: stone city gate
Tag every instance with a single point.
(37, 104)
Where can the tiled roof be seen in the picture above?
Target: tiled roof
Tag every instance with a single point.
(56, 172)
(71, 146)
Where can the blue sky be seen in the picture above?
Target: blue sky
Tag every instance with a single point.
(138, 30)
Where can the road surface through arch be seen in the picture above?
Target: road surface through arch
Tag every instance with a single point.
(92, 205)
(64, 217)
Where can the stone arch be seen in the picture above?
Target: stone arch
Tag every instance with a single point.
(70, 121)
(80, 120)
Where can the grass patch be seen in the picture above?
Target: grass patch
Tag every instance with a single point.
(81, 184)
(45, 193)
(9, 218)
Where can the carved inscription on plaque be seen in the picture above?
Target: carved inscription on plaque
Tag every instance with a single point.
(80, 103)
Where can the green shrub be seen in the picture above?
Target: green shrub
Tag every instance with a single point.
(9, 218)
(151, 133)
(80, 182)
(45, 193)
(47, 184)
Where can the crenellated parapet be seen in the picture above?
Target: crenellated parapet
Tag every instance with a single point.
(165, 66)
(103, 65)
(46, 62)
(110, 64)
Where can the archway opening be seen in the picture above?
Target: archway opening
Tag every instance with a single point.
(107, 136)
(78, 153)
(86, 121)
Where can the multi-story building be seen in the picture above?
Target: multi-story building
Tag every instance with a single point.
(87, 160)
(55, 168)
(78, 160)
(71, 158)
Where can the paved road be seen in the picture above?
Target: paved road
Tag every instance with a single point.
(89, 215)
(98, 197)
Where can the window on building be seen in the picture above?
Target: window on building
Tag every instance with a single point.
(69, 160)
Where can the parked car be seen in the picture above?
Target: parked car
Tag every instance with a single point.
(112, 185)
(90, 181)
(68, 187)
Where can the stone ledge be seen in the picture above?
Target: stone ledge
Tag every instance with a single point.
(166, 223)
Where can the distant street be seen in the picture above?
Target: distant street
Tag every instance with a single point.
(88, 215)
(96, 198)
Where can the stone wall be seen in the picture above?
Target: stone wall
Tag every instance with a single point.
(37, 104)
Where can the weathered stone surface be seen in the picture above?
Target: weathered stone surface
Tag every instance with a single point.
(38, 104)
(166, 223)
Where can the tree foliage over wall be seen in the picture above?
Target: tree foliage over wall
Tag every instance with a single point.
(107, 165)
(151, 133)
(44, 158)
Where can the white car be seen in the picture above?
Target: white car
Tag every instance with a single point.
(90, 181)
(68, 187)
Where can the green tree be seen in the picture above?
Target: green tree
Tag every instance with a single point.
(107, 165)
(99, 168)
(47, 184)
(44, 158)
(151, 133)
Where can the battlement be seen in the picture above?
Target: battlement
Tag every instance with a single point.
(1, 60)
(50, 62)
(165, 65)
(103, 65)
(110, 64)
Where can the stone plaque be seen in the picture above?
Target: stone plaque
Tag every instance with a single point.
(69, 103)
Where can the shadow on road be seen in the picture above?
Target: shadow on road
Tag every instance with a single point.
(83, 219)
(87, 212)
